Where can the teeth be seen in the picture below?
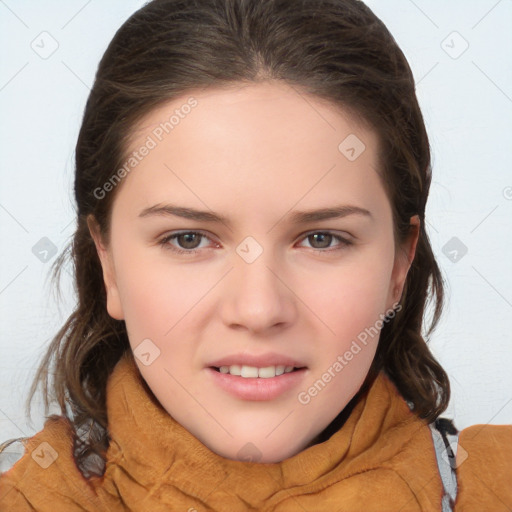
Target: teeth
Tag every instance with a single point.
(253, 371)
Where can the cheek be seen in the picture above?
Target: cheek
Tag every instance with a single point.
(154, 296)
(349, 301)
(349, 297)
(350, 311)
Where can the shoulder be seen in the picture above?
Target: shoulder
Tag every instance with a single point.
(47, 472)
(484, 468)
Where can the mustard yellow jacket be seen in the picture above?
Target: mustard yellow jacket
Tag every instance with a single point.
(381, 460)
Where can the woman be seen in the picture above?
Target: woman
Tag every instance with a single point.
(252, 269)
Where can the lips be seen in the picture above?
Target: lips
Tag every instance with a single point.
(259, 389)
(257, 360)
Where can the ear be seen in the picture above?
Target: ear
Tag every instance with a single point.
(403, 261)
(114, 306)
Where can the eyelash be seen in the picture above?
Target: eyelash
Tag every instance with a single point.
(164, 242)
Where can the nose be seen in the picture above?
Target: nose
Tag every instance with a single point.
(256, 296)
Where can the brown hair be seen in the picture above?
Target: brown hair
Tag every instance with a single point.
(336, 50)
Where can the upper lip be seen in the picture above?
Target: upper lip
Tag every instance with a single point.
(260, 361)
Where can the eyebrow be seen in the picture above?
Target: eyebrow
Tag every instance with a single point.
(297, 217)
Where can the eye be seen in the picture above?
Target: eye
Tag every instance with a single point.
(324, 238)
(187, 239)
(189, 242)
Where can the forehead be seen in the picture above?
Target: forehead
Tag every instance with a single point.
(271, 105)
(252, 146)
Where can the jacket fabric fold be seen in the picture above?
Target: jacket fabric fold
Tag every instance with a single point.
(382, 459)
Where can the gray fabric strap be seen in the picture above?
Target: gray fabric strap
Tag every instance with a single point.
(10, 455)
(446, 464)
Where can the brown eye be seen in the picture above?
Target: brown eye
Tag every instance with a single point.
(188, 240)
(321, 241)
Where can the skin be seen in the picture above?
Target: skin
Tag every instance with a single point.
(254, 154)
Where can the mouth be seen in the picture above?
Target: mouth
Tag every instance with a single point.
(258, 384)
(253, 372)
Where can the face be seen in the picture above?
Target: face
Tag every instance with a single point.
(252, 281)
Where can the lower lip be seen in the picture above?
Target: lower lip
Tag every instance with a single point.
(257, 388)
